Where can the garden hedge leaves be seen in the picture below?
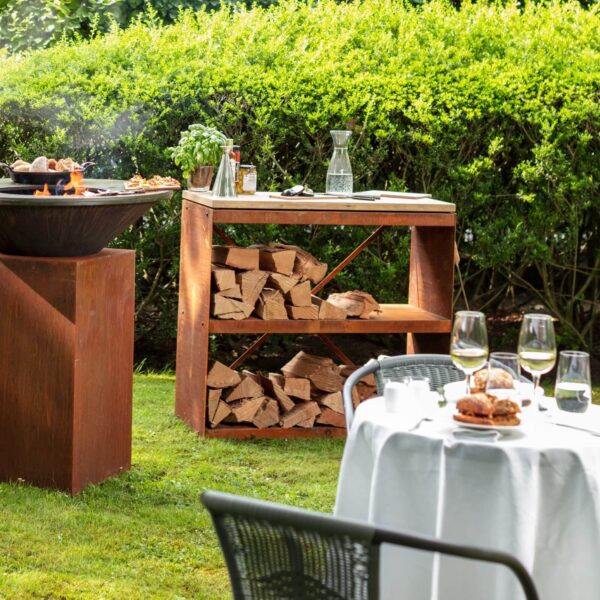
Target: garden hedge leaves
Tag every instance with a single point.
(492, 107)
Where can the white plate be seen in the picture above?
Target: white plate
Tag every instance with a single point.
(500, 428)
(457, 389)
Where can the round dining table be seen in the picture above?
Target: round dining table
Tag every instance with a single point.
(533, 491)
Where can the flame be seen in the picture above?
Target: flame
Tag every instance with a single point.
(44, 192)
(75, 184)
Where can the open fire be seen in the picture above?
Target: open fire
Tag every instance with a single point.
(74, 187)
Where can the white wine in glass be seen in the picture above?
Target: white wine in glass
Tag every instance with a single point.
(537, 348)
(469, 343)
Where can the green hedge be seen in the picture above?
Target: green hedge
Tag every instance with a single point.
(494, 108)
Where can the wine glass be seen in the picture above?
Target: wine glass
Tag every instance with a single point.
(537, 348)
(503, 376)
(469, 343)
(573, 391)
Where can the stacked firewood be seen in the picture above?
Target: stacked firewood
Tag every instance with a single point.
(307, 392)
(275, 282)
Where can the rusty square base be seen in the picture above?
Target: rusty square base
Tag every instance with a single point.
(66, 364)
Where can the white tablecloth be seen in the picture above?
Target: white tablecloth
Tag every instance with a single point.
(534, 493)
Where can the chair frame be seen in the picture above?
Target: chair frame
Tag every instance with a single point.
(220, 504)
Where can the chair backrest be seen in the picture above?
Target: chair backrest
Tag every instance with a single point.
(437, 367)
(276, 552)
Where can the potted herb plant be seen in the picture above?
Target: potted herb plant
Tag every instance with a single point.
(197, 153)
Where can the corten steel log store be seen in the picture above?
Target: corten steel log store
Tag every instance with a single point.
(426, 318)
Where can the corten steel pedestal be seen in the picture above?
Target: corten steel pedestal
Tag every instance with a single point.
(66, 364)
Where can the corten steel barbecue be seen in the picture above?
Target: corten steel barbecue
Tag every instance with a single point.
(66, 336)
(71, 225)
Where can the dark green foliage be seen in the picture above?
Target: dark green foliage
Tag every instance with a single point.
(494, 108)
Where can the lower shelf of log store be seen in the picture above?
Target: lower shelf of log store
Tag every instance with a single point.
(395, 318)
(232, 431)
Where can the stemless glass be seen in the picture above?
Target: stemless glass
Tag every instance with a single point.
(469, 343)
(537, 348)
(503, 376)
(573, 390)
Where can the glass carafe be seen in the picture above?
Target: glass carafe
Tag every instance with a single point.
(339, 173)
(224, 186)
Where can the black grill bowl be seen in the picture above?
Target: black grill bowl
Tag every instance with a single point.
(67, 226)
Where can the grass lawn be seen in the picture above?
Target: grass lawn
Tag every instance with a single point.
(144, 534)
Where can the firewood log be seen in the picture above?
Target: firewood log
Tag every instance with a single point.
(304, 364)
(356, 303)
(270, 305)
(307, 423)
(306, 265)
(283, 283)
(221, 376)
(331, 417)
(244, 411)
(251, 284)
(267, 415)
(333, 401)
(276, 260)
(307, 313)
(223, 278)
(246, 259)
(299, 295)
(328, 310)
(327, 378)
(213, 402)
(248, 388)
(273, 385)
(301, 412)
(222, 412)
(228, 308)
(234, 292)
(297, 387)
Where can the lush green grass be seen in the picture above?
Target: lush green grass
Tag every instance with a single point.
(144, 534)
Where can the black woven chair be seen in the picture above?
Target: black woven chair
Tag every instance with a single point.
(278, 553)
(437, 367)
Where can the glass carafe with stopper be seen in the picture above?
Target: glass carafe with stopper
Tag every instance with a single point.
(339, 173)
(224, 186)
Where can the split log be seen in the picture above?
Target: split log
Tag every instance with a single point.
(307, 424)
(254, 376)
(276, 260)
(248, 388)
(223, 278)
(356, 303)
(251, 284)
(299, 295)
(233, 292)
(361, 391)
(328, 310)
(270, 305)
(246, 259)
(297, 387)
(213, 402)
(304, 364)
(347, 370)
(221, 376)
(283, 283)
(229, 308)
(307, 313)
(333, 401)
(267, 415)
(306, 265)
(327, 378)
(300, 412)
(223, 411)
(244, 411)
(331, 417)
(273, 385)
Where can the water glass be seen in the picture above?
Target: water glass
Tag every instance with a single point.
(573, 390)
(503, 376)
(419, 394)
